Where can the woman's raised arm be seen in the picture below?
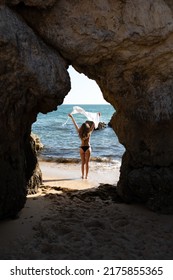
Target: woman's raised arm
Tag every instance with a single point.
(74, 122)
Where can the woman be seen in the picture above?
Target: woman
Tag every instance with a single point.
(84, 133)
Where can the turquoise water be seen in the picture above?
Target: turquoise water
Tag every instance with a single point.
(62, 142)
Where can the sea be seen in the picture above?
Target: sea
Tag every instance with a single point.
(61, 142)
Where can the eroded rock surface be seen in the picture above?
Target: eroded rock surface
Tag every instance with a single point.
(31, 3)
(126, 47)
(33, 79)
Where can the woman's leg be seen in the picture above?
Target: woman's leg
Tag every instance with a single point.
(87, 158)
(82, 155)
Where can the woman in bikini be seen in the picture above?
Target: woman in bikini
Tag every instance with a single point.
(84, 133)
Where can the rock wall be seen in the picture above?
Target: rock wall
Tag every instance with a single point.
(126, 47)
(33, 79)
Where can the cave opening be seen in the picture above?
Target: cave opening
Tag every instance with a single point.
(59, 138)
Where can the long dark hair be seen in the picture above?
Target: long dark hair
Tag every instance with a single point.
(84, 131)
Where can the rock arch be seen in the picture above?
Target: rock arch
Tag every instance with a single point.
(126, 47)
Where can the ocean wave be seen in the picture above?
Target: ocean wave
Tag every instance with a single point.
(77, 160)
(59, 160)
(103, 159)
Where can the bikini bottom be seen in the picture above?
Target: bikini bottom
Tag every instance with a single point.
(85, 148)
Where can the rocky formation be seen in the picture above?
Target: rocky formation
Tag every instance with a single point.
(33, 3)
(33, 78)
(101, 125)
(126, 47)
(37, 142)
(33, 172)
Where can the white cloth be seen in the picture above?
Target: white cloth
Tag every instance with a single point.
(95, 117)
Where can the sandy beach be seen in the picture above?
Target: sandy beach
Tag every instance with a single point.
(71, 218)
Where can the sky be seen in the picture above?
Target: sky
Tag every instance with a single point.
(83, 90)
